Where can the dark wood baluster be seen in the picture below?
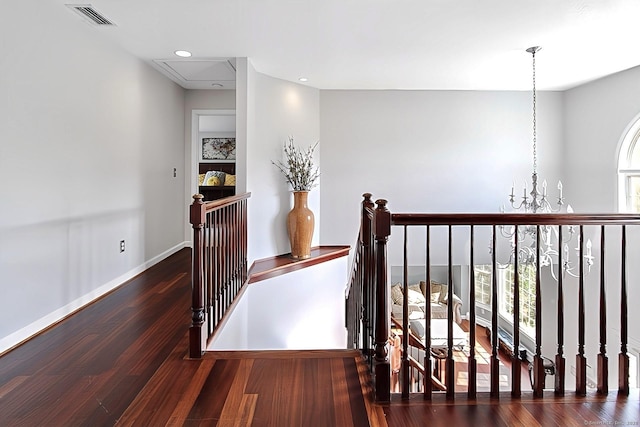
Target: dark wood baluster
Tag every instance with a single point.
(361, 310)
(208, 266)
(360, 304)
(351, 304)
(234, 250)
(473, 363)
(229, 252)
(603, 361)
(218, 265)
(224, 259)
(372, 288)
(450, 364)
(382, 230)
(238, 263)
(516, 369)
(623, 357)
(405, 320)
(367, 324)
(538, 367)
(211, 270)
(560, 360)
(428, 385)
(227, 255)
(581, 361)
(197, 220)
(240, 250)
(245, 237)
(495, 361)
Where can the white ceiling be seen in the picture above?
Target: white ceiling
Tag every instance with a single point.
(390, 44)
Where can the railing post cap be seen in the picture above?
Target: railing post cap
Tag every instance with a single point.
(198, 197)
(367, 196)
(382, 203)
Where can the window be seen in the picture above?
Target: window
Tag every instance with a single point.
(506, 279)
(629, 170)
(483, 284)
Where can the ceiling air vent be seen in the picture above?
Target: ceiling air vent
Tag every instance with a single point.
(89, 13)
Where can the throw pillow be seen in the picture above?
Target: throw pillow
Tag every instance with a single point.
(416, 287)
(417, 327)
(396, 294)
(435, 297)
(444, 291)
(213, 181)
(415, 297)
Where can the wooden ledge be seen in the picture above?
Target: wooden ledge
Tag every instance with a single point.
(282, 264)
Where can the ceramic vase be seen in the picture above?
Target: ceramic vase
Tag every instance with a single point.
(300, 223)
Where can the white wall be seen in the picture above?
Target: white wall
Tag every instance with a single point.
(596, 116)
(447, 151)
(300, 310)
(89, 139)
(277, 109)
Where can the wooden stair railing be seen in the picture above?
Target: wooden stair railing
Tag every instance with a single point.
(219, 263)
(417, 369)
(368, 294)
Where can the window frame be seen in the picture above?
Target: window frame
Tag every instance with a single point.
(505, 280)
(625, 167)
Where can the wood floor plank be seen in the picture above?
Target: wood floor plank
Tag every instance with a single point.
(11, 384)
(263, 382)
(232, 409)
(215, 391)
(190, 395)
(314, 408)
(356, 398)
(291, 382)
(341, 398)
(247, 409)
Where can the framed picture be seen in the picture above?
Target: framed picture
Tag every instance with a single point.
(218, 149)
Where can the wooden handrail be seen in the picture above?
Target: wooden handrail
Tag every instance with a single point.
(219, 263)
(512, 219)
(215, 204)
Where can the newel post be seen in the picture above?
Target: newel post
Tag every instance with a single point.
(382, 366)
(197, 337)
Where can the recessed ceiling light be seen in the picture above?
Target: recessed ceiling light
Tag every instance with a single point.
(303, 79)
(183, 53)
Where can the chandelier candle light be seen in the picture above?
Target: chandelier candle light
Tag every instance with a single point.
(538, 202)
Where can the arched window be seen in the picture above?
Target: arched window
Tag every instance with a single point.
(629, 170)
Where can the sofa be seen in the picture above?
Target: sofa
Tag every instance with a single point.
(439, 298)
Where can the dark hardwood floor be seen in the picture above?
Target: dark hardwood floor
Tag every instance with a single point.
(122, 360)
(87, 369)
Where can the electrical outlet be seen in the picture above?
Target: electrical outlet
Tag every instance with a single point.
(121, 245)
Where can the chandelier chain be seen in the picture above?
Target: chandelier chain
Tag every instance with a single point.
(535, 145)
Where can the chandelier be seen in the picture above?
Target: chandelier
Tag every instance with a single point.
(537, 201)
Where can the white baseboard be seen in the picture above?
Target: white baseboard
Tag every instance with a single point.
(21, 335)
